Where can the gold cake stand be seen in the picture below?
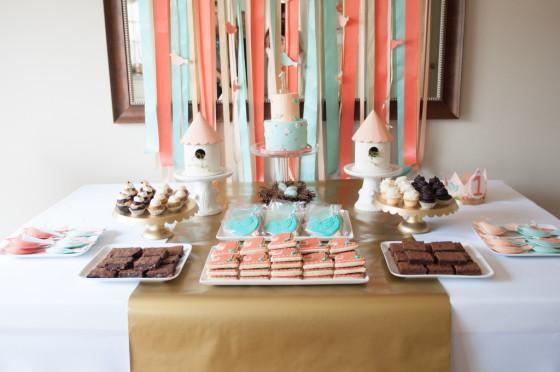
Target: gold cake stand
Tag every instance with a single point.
(414, 224)
(156, 224)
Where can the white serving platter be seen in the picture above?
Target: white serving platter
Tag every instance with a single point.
(204, 279)
(105, 250)
(349, 233)
(529, 253)
(476, 257)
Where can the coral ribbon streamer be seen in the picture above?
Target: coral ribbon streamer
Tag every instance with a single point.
(381, 55)
(207, 58)
(145, 8)
(292, 42)
(236, 144)
(410, 118)
(258, 73)
(224, 72)
(193, 54)
(348, 88)
(163, 81)
(331, 85)
(370, 54)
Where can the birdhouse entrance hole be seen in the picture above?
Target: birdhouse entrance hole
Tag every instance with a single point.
(200, 154)
(374, 152)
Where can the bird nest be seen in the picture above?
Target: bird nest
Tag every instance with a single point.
(272, 193)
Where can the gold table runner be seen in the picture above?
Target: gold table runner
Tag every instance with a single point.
(388, 324)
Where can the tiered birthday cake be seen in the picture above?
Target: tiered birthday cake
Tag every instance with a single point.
(285, 131)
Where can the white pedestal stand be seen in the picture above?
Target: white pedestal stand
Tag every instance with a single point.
(203, 193)
(370, 186)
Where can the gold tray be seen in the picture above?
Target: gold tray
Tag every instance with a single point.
(157, 228)
(414, 223)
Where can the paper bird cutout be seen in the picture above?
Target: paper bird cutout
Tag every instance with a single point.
(339, 77)
(178, 60)
(339, 7)
(395, 43)
(342, 20)
(230, 29)
(235, 86)
(287, 61)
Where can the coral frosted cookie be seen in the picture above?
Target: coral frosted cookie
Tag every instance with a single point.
(254, 245)
(231, 246)
(321, 272)
(341, 245)
(255, 261)
(262, 272)
(224, 261)
(286, 265)
(312, 245)
(223, 272)
(348, 259)
(286, 273)
(317, 261)
(285, 254)
(284, 240)
(349, 276)
(349, 270)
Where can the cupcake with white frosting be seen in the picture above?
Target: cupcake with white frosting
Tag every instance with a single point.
(181, 196)
(168, 190)
(410, 198)
(161, 196)
(393, 196)
(137, 208)
(156, 207)
(174, 204)
(129, 187)
(124, 201)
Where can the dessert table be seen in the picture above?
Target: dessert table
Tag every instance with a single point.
(50, 319)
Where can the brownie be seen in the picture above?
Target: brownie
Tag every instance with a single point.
(414, 246)
(429, 248)
(164, 271)
(119, 263)
(175, 251)
(443, 247)
(419, 258)
(147, 263)
(470, 268)
(159, 252)
(408, 268)
(131, 273)
(125, 252)
(450, 258)
(400, 257)
(102, 264)
(101, 273)
(459, 247)
(395, 247)
(440, 269)
(170, 260)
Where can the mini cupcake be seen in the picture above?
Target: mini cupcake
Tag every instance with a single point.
(123, 202)
(168, 190)
(427, 199)
(388, 182)
(383, 190)
(174, 204)
(410, 198)
(161, 196)
(149, 190)
(130, 188)
(182, 196)
(156, 208)
(401, 179)
(138, 207)
(442, 196)
(404, 187)
(393, 196)
(145, 197)
(419, 179)
(183, 189)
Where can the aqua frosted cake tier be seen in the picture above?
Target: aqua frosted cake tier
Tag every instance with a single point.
(285, 135)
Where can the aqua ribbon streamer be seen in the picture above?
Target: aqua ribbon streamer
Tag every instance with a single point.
(308, 164)
(398, 72)
(273, 44)
(331, 85)
(185, 75)
(242, 102)
(149, 77)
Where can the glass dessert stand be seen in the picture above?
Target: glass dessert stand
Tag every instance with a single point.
(370, 187)
(204, 193)
(414, 224)
(156, 224)
(282, 158)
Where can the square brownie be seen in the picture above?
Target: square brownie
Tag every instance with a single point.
(147, 263)
(443, 247)
(175, 251)
(159, 252)
(125, 252)
(400, 257)
(470, 268)
(103, 262)
(414, 246)
(450, 258)
(395, 247)
(408, 268)
(459, 247)
(419, 258)
(101, 273)
(131, 273)
(170, 260)
(440, 269)
(164, 271)
(119, 263)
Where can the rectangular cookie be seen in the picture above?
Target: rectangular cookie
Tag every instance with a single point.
(147, 263)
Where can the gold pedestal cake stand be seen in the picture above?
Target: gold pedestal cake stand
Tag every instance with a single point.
(156, 224)
(414, 223)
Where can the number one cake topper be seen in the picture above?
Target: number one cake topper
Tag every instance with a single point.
(283, 82)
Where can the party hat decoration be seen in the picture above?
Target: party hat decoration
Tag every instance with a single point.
(468, 189)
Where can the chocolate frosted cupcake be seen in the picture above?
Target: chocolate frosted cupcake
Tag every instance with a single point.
(129, 187)
(149, 190)
(419, 179)
(123, 202)
(442, 196)
(137, 207)
(427, 199)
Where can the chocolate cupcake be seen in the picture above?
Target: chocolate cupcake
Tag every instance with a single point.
(442, 196)
(427, 199)
(419, 179)
(129, 187)
(149, 190)
(123, 203)
(145, 197)
(137, 208)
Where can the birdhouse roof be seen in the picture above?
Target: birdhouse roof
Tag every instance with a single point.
(373, 129)
(200, 132)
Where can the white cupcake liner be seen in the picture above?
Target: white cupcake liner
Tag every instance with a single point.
(426, 205)
(137, 212)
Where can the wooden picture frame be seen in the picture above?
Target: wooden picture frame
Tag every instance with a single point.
(126, 112)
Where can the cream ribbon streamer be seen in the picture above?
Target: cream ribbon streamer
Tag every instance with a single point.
(224, 72)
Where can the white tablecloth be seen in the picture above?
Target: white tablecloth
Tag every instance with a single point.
(51, 320)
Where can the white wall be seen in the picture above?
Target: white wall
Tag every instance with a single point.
(56, 130)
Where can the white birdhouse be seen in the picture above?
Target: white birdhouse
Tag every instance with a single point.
(201, 148)
(372, 145)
